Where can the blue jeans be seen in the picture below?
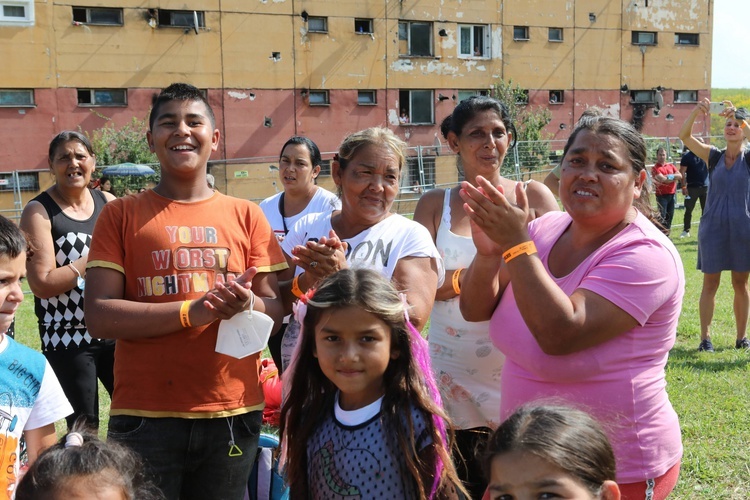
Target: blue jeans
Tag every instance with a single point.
(189, 458)
(666, 209)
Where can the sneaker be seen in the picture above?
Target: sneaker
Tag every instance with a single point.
(685, 234)
(743, 343)
(706, 346)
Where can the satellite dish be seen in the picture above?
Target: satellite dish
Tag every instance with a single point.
(659, 100)
(195, 22)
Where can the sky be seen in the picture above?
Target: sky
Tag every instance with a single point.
(730, 67)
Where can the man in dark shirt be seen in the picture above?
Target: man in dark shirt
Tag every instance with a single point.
(694, 185)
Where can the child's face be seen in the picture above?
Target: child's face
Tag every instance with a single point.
(519, 475)
(12, 273)
(90, 487)
(183, 137)
(353, 348)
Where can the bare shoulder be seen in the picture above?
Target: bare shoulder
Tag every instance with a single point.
(429, 208)
(541, 199)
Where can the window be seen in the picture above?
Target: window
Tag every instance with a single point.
(17, 12)
(325, 168)
(474, 41)
(419, 106)
(319, 98)
(415, 38)
(556, 96)
(363, 26)
(644, 38)
(96, 15)
(26, 181)
(16, 98)
(555, 35)
(102, 97)
(685, 96)
(522, 97)
(181, 19)
(317, 24)
(686, 39)
(642, 97)
(520, 32)
(366, 97)
(465, 94)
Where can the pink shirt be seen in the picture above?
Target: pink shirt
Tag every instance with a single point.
(621, 381)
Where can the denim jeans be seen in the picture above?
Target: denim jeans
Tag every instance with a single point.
(189, 458)
(666, 209)
(695, 194)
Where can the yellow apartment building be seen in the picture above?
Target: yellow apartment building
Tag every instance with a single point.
(322, 68)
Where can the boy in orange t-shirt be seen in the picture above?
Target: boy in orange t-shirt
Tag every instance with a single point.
(165, 265)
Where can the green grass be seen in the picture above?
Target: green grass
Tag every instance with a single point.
(709, 391)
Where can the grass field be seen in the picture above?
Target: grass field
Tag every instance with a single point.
(709, 391)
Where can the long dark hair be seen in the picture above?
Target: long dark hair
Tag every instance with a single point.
(315, 158)
(565, 437)
(407, 384)
(593, 121)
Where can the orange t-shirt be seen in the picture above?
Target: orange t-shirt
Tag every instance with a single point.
(171, 251)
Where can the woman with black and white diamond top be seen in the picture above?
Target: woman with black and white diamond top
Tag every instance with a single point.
(59, 223)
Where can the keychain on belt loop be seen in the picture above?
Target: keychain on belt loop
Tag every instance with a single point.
(234, 450)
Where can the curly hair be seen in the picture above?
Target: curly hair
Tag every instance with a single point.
(85, 457)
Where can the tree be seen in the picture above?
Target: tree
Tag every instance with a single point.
(126, 144)
(529, 122)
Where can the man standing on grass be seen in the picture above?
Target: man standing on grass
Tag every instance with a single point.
(164, 267)
(665, 177)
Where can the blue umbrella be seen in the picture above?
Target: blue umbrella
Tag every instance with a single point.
(124, 169)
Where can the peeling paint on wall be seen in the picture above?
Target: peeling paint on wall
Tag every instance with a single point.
(393, 117)
(402, 65)
(241, 95)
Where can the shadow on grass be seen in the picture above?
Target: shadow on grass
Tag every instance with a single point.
(689, 358)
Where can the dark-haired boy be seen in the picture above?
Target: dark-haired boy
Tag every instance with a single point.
(164, 266)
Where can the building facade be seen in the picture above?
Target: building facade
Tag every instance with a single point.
(323, 68)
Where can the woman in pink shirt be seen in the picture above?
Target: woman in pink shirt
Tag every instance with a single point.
(584, 303)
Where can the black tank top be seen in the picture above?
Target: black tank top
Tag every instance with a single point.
(61, 323)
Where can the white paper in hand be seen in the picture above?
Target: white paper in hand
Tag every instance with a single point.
(245, 333)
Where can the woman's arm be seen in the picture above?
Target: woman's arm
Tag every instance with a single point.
(418, 278)
(45, 278)
(429, 211)
(541, 199)
(686, 132)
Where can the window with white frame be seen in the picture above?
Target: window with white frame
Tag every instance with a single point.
(644, 38)
(24, 181)
(687, 39)
(97, 15)
(465, 94)
(17, 98)
(366, 97)
(316, 24)
(17, 12)
(181, 18)
(319, 98)
(520, 32)
(363, 26)
(643, 96)
(102, 97)
(415, 38)
(419, 106)
(555, 35)
(474, 40)
(686, 96)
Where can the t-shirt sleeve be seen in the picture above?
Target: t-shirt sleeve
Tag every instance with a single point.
(638, 277)
(107, 245)
(265, 252)
(51, 404)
